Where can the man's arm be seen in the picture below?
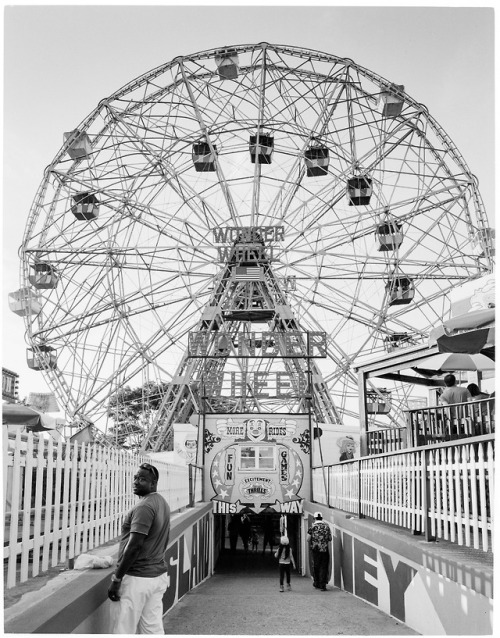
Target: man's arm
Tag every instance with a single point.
(132, 549)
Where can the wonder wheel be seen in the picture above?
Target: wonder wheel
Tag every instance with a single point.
(345, 206)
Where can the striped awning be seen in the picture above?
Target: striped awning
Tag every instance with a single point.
(470, 332)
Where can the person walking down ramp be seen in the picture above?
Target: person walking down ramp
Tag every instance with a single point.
(254, 538)
(141, 578)
(319, 535)
(284, 555)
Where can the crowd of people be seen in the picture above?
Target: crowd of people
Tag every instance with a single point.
(240, 526)
(455, 393)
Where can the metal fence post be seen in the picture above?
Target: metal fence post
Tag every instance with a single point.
(191, 491)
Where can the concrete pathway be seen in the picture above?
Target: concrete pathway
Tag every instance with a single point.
(243, 598)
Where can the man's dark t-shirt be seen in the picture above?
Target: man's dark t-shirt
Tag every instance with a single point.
(150, 516)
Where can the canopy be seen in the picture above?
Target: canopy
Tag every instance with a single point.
(468, 333)
(453, 362)
(471, 327)
(19, 414)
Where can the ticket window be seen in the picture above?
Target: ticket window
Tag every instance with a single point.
(258, 457)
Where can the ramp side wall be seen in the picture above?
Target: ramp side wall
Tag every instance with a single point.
(434, 588)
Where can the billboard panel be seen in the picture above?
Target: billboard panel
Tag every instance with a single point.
(256, 461)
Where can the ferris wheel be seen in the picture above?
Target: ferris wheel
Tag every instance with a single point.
(378, 217)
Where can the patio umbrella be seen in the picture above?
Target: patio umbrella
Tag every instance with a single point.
(479, 327)
(452, 362)
(19, 414)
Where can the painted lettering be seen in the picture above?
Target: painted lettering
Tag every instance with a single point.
(230, 457)
(363, 588)
(205, 545)
(292, 507)
(343, 561)
(220, 507)
(275, 430)
(284, 476)
(399, 581)
(172, 560)
(195, 550)
(183, 574)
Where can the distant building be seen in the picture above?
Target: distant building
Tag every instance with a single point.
(10, 386)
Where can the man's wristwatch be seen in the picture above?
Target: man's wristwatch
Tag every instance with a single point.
(114, 579)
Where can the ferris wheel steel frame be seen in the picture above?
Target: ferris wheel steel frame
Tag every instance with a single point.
(148, 255)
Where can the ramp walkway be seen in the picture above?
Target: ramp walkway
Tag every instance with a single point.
(243, 598)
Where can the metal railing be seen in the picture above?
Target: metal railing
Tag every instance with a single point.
(437, 424)
(195, 484)
(443, 491)
(450, 422)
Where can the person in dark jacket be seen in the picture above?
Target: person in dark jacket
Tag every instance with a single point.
(319, 536)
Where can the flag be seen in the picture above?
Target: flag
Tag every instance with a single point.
(248, 273)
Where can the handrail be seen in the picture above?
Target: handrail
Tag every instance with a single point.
(450, 422)
(442, 490)
(436, 424)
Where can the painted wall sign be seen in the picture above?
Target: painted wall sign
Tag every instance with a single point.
(256, 461)
(403, 588)
(10, 385)
(188, 559)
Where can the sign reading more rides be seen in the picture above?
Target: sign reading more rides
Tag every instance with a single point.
(257, 460)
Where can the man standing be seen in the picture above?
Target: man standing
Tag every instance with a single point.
(454, 393)
(456, 417)
(141, 577)
(319, 535)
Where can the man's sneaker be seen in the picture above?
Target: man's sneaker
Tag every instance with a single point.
(282, 588)
(289, 588)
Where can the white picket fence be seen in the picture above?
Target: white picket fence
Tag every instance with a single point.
(446, 491)
(63, 500)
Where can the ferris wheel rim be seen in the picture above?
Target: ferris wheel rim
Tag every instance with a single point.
(295, 51)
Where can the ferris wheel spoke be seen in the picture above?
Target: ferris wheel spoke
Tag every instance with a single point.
(173, 179)
(205, 132)
(126, 369)
(122, 287)
(281, 206)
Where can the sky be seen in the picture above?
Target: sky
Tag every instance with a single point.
(60, 61)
